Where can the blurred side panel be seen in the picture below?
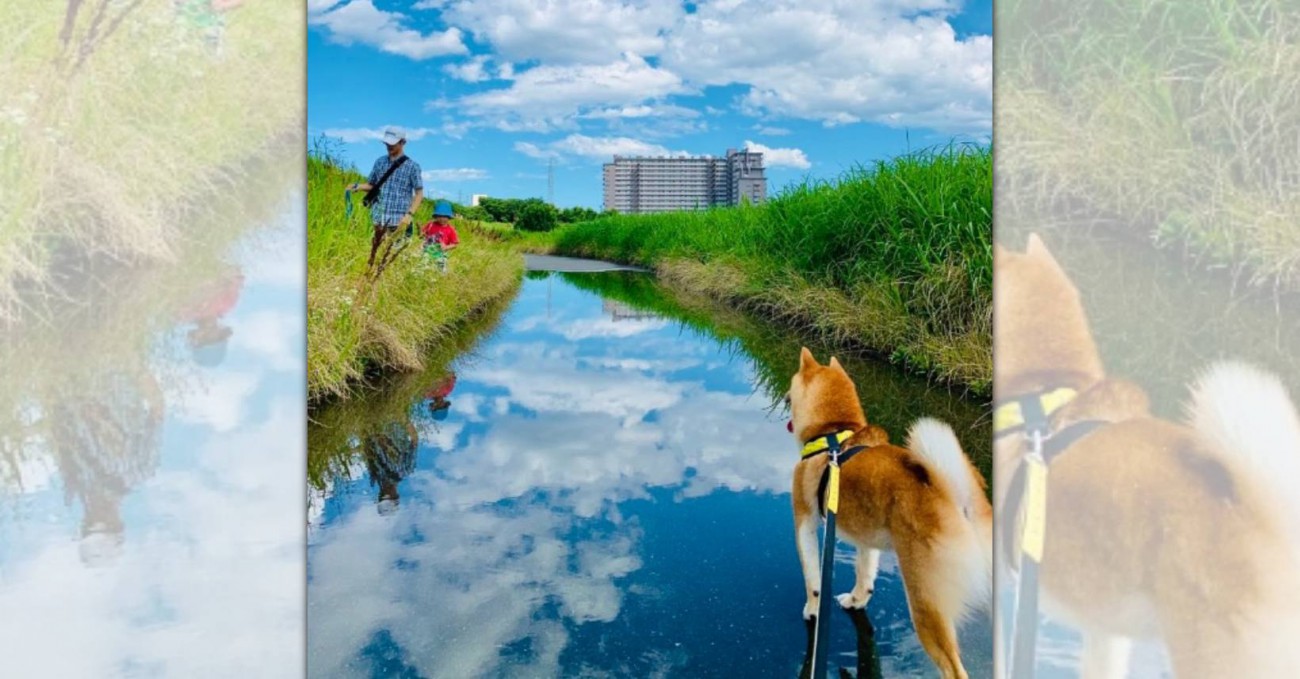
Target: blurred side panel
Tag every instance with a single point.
(151, 308)
(1147, 305)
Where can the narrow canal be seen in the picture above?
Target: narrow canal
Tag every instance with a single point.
(591, 479)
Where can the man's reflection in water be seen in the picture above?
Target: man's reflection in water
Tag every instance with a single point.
(106, 442)
(389, 453)
(390, 450)
(209, 338)
(868, 660)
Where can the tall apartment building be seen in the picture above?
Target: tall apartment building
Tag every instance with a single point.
(643, 184)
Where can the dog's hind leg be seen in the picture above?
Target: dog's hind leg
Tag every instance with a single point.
(1105, 656)
(866, 566)
(938, 636)
(933, 614)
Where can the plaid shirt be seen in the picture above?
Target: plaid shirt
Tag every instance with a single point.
(396, 194)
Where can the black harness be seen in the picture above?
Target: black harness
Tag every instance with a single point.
(845, 456)
(1035, 420)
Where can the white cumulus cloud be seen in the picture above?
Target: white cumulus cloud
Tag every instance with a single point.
(642, 111)
(583, 146)
(359, 21)
(566, 31)
(479, 69)
(572, 63)
(886, 61)
(546, 97)
(780, 157)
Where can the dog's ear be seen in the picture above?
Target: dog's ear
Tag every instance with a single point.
(1038, 250)
(835, 363)
(999, 252)
(806, 360)
(1036, 246)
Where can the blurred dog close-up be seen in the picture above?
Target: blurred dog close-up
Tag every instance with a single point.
(1186, 533)
(925, 501)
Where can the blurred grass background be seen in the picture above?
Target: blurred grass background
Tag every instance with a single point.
(1175, 123)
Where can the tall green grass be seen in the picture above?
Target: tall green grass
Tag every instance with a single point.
(357, 328)
(895, 257)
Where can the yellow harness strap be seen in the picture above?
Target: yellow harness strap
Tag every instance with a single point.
(818, 444)
(833, 494)
(1011, 414)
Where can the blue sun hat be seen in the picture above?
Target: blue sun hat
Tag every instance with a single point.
(442, 209)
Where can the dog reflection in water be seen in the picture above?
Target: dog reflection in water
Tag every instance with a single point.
(389, 453)
(868, 658)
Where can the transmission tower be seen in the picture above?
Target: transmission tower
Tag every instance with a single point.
(550, 181)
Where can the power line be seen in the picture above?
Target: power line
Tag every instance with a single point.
(550, 181)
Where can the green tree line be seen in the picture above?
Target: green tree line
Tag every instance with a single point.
(527, 214)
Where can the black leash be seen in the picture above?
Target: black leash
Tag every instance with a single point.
(830, 506)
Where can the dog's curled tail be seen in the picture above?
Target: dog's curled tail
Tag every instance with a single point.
(934, 441)
(1247, 416)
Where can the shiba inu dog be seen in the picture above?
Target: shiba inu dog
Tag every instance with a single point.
(1187, 532)
(925, 501)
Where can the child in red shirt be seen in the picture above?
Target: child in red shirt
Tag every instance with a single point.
(440, 236)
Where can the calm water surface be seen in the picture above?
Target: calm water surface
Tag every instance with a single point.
(580, 487)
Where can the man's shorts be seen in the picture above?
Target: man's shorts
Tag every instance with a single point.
(410, 228)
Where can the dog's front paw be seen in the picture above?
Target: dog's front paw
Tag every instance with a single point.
(847, 601)
(810, 609)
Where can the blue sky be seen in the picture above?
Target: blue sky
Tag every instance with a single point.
(491, 91)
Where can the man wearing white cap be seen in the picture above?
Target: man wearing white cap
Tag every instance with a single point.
(400, 191)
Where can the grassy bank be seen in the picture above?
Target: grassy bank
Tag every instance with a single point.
(355, 327)
(895, 258)
(1169, 123)
(331, 439)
